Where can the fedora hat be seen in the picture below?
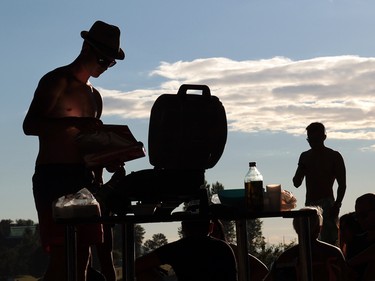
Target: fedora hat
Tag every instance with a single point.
(105, 38)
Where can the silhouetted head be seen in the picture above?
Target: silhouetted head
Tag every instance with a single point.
(316, 134)
(315, 221)
(365, 211)
(349, 227)
(196, 227)
(105, 39)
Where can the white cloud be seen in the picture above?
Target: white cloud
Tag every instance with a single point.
(275, 94)
(370, 148)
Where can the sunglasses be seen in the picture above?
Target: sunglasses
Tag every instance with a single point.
(102, 60)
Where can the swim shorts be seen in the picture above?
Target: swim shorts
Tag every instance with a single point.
(51, 182)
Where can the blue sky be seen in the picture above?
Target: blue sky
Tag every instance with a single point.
(275, 65)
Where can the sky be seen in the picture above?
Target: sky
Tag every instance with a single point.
(276, 66)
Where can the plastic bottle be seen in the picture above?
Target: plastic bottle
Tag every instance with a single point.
(254, 189)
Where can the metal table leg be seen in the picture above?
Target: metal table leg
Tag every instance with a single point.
(242, 263)
(304, 240)
(71, 252)
(129, 252)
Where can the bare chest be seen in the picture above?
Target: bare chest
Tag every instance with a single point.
(77, 101)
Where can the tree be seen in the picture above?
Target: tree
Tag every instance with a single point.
(5, 228)
(139, 233)
(22, 222)
(20, 254)
(25, 249)
(271, 252)
(255, 239)
(157, 241)
(138, 239)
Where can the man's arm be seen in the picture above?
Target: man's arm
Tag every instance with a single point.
(340, 174)
(300, 173)
(341, 179)
(44, 101)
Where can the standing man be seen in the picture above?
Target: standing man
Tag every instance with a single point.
(321, 166)
(65, 104)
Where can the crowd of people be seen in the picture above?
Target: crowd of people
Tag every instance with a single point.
(66, 104)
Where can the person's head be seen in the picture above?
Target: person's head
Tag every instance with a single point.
(365, 211)
(102, 45)
(316, 134)
(315, 222)
(196, 227)
(349, 227)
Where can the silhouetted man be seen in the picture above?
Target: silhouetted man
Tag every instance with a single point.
(321, 166)
(65, 104)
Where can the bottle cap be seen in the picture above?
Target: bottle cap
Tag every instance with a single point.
(252, 164)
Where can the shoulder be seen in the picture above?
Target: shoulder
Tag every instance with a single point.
(305, 155)
(218, 247)
(62, 72)
(330, 250)
(164, 252)
(288, 255)
(332, 151)
(219, 242)
(56, 78)
(334, 154)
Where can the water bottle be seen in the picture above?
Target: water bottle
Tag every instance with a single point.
(254, 189)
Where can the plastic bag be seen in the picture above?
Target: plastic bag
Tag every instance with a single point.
(288, 201)
(80, 204)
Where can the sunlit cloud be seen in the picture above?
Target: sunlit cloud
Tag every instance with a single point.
(276, 94)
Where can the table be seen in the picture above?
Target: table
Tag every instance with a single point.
(239, 217)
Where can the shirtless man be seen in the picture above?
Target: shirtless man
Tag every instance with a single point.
(322, 166)
(64, 104)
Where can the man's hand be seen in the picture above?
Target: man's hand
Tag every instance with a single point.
(115, 166)
(87, 124)
(335, 210)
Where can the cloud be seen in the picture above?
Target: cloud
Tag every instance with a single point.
(370, 148)
(276, 94)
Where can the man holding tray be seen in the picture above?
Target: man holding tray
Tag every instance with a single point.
(64, 105)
